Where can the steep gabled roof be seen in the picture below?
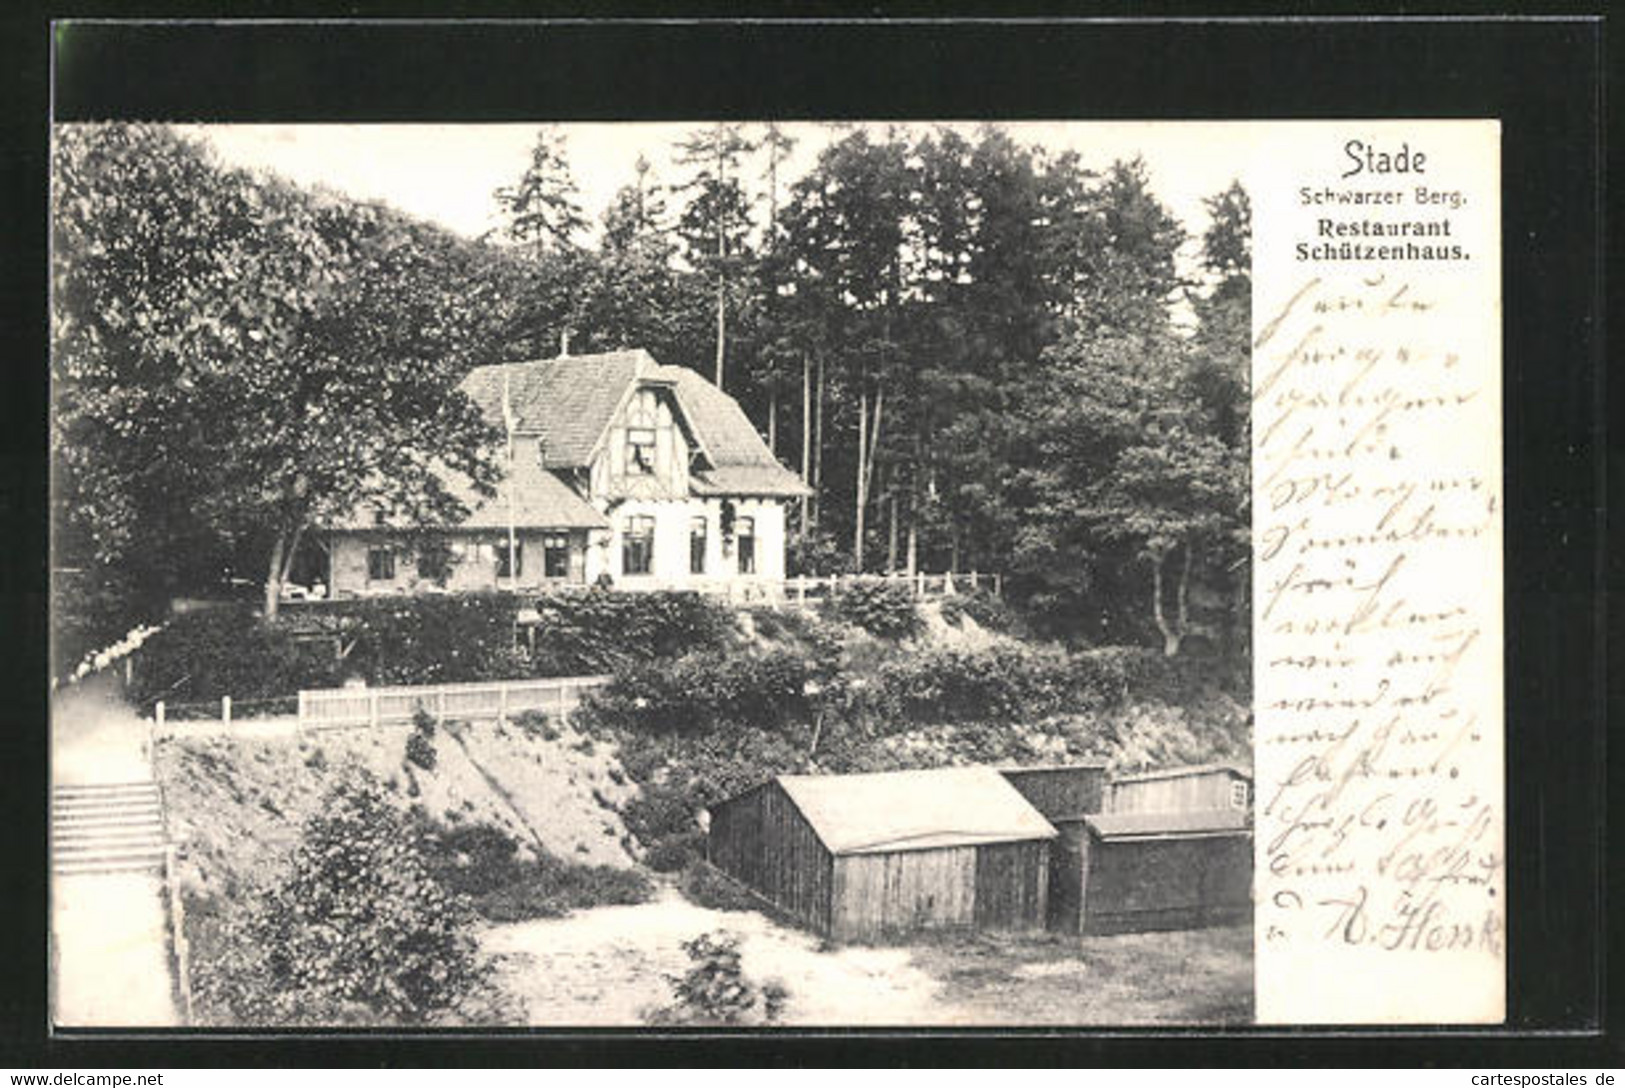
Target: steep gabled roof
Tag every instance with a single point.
(914, 810)
(570, 401)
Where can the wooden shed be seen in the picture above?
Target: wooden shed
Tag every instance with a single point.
(867, 856)
(1182, 789)
(1140, 871)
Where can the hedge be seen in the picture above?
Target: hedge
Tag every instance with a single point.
(458, 638)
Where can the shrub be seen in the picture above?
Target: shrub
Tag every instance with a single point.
(601, 630)
(227, 651)
(433, 640)
(535, 724)
(815, 555)
(704, 886)
(420, 750)
(1003, 682)
(359, 932)
(715, 991)
(553, 888)
(884, 609)
(988, 610)
(700, 692)
(483, 862)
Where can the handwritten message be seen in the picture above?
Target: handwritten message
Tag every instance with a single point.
(1377, 537)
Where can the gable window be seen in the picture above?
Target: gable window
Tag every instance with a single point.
(638, 545)
(1238, 794)
(696, 546)
(510, 566)
(556, 555)
(745, 542)
(640, 451)
(381, 564)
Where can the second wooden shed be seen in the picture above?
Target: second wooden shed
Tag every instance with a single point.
(1202, 788)
(868, 856)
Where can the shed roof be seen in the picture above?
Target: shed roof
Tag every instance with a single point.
(1184, 772)
(1192, 823)
(914, 810)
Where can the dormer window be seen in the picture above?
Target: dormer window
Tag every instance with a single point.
(640, 451)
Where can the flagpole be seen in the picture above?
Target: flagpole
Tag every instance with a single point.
(507, 423)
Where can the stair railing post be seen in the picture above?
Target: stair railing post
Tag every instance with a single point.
(158, 713)
(225, 710)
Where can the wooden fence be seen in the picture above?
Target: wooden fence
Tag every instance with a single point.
(803, 589)
(345, 707)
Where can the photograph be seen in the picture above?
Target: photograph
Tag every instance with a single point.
(742, 574)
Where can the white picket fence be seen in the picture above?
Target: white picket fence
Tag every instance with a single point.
(348, 707)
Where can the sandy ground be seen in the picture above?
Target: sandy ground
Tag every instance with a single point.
(603, 967)
(112, 965)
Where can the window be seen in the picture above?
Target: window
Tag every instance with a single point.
(510, 566)
(640, 451)
(380, 564)
(638, 545)
(556, 555)
(1238, 795)
(696, 546)
(745, 534)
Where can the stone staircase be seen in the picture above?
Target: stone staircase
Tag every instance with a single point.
(110, 828)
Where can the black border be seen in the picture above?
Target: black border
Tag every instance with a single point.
(1542, 77)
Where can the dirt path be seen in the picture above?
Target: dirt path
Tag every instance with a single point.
(110, 958)
(96, 737)
(111, 962)
(602, 966)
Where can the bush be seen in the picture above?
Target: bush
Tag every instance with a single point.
(700, 692)
(483, 863)
(704, 886)
(1004, 682)
(458, 638)
(601, 630)
(715, 991)
(359, 932)
(988, 610)
(553, 888)
(816, 555)
(536, 725)
(226, 651)
(884, 609)
(420, 750)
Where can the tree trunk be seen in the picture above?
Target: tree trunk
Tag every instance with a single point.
(773, 421)
(891, 527)
(860, 499)
(273, 577)
(912, 548)
(806, 433)
(722, 328)
(1170, 635)
(283, 553)
(818, 446)
(1182, 592)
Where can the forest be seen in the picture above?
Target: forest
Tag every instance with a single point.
(980, 353)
